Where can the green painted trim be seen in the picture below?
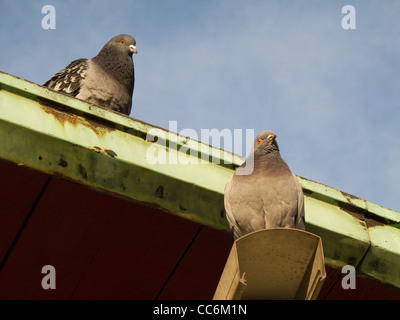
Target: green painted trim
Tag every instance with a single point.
(107, 155)
(345, 238)
(106, 151)
(382, 260)
(328, 194)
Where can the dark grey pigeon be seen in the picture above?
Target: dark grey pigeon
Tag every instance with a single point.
(269, 196)
(107, 80)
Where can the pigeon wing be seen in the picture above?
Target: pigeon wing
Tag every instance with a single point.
(300, 218)
(243, 209)
(283, 202)
(69, 80)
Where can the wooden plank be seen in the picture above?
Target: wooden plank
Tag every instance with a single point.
(138, 255)
(18, 192)
(332, 277)
(366, 289)
(198, 274)
(65, 231)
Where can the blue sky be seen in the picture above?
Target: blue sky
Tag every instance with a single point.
(331, 95)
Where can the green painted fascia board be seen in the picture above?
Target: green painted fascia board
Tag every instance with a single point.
(107, 151)
(382, 259)
(355, 232)
(345, 238)
(32, 91)
(79, 146)
(357, 204)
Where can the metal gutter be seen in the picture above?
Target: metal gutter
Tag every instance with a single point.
(106, 151)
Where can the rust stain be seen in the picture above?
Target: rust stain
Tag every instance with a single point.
(160, 192)
(64, 114)
(305, 178)
(61, 116)
(349, 196)
(95, 148)
(99, 128)
(373, 223)
(63, 163)
(109, 152)
(354, 211)
(82, 172)
(361, 214)
(307, 192)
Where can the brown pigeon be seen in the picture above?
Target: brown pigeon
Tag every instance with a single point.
(107, 80)
(263, 193)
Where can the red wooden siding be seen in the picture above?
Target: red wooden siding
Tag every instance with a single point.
(103, 247)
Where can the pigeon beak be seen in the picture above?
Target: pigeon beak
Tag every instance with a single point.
(132, 48)
(272, 137)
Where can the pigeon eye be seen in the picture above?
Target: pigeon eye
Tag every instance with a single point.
(259, 141)
(122, 42)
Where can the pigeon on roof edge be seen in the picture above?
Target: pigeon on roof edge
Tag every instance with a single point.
(107, 80)
(266, 196)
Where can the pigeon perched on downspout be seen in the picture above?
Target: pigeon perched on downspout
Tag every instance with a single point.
(263, 193)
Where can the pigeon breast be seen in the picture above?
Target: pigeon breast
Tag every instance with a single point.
(269, 196)
(99, 87)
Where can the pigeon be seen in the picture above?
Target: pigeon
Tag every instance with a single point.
(107, 80)
(268, 195)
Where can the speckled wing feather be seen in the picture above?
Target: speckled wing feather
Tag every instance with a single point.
(69, 80)
(106, 80)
